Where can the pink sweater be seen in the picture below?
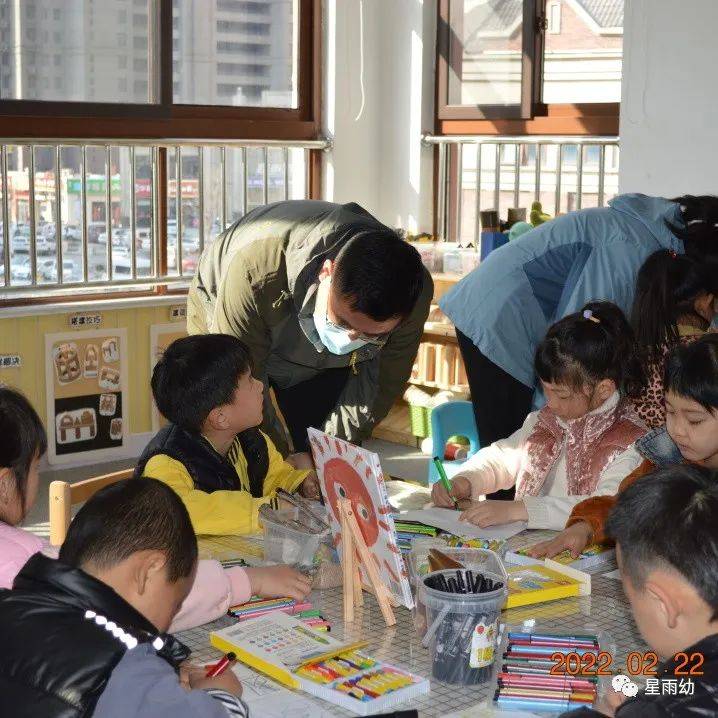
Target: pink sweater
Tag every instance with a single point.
(215, 589)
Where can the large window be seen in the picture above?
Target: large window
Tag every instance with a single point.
(159, 68)
(93, 194)
(528, 102)
(530, 59)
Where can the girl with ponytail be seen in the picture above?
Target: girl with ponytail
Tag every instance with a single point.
(579, 445)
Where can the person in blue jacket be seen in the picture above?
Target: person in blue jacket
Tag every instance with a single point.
(504, 307)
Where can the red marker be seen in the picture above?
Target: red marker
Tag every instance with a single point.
(221, 666)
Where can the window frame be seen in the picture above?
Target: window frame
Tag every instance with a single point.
(33, 119)
(523, 110)
(533, 117)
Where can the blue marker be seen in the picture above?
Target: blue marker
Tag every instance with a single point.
(537, 704)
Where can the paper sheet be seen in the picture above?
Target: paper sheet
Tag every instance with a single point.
(269, 699)
(448, 520)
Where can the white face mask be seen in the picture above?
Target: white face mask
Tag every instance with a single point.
(335, 339)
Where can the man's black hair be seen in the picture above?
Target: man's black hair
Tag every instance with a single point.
(692, 371)
(23, 437)
(130, 516)
(197, 374)
(668, 519)
(380, 274)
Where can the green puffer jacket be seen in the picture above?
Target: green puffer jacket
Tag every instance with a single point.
(258, 281)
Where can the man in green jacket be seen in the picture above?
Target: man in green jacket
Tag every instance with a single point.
(331, 304)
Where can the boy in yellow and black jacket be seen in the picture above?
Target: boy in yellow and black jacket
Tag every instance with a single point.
(212, 453)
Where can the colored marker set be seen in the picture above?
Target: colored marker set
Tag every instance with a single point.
(262, 606)
(531, 680)
(360, 683)
(496, 545)
(315, 620)
(358, 676)
(375, 684)
(345, 665)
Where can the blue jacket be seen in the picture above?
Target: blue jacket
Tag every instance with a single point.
(506, 305)
(658, 447)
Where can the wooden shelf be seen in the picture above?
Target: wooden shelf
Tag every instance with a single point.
(395, 427)
(463, 388)
(445, 277)
(440, 329)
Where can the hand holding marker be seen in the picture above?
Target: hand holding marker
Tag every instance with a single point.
(221, 666)
(444, 479)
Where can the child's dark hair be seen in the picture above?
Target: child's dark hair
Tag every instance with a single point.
(692, 371)
(197, 374)
(700, 230)
(381, 274)
(666, 288)
(591, 345)
(130, 516)
(668, 519)
(23, 438)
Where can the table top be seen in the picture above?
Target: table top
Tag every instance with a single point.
(606, 610)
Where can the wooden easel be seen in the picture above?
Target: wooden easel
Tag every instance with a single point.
(354, 552)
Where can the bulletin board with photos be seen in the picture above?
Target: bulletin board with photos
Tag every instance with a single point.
(87, 405)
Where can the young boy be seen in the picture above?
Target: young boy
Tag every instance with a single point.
(212, 453)
(85, 634)
(666, 535)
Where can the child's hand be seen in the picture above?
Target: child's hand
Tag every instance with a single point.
(273, 581)
(310, 487)
(226, 681)
(610, 703)
(302, 460)
(574, 539)
(186, 668)
(460, 489)
(491, 513)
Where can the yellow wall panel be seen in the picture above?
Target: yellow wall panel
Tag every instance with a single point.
(26, 336)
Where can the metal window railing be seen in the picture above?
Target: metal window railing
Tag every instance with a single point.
(85, 214)
(477, 173)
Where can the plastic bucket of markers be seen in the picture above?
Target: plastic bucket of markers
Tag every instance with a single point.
(479, 560)
(462, 629)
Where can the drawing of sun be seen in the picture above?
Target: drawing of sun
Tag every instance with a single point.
(346, 474)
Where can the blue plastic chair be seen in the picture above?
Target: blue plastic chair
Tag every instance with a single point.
(455, 418)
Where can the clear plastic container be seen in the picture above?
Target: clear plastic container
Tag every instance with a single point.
(293, 545)
(417, 562)
(463, 628)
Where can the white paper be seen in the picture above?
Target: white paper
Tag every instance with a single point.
(269, 699)
(448, 520)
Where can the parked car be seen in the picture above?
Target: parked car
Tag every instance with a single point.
(45, 245)
(20, 272)
(72, 232)
(143, 238)
(122, 265)
(190, 240)
(20, 240)
(95, 229)
(47, 270)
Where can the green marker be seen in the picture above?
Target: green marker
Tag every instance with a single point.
(444, 479)
(310, 614)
